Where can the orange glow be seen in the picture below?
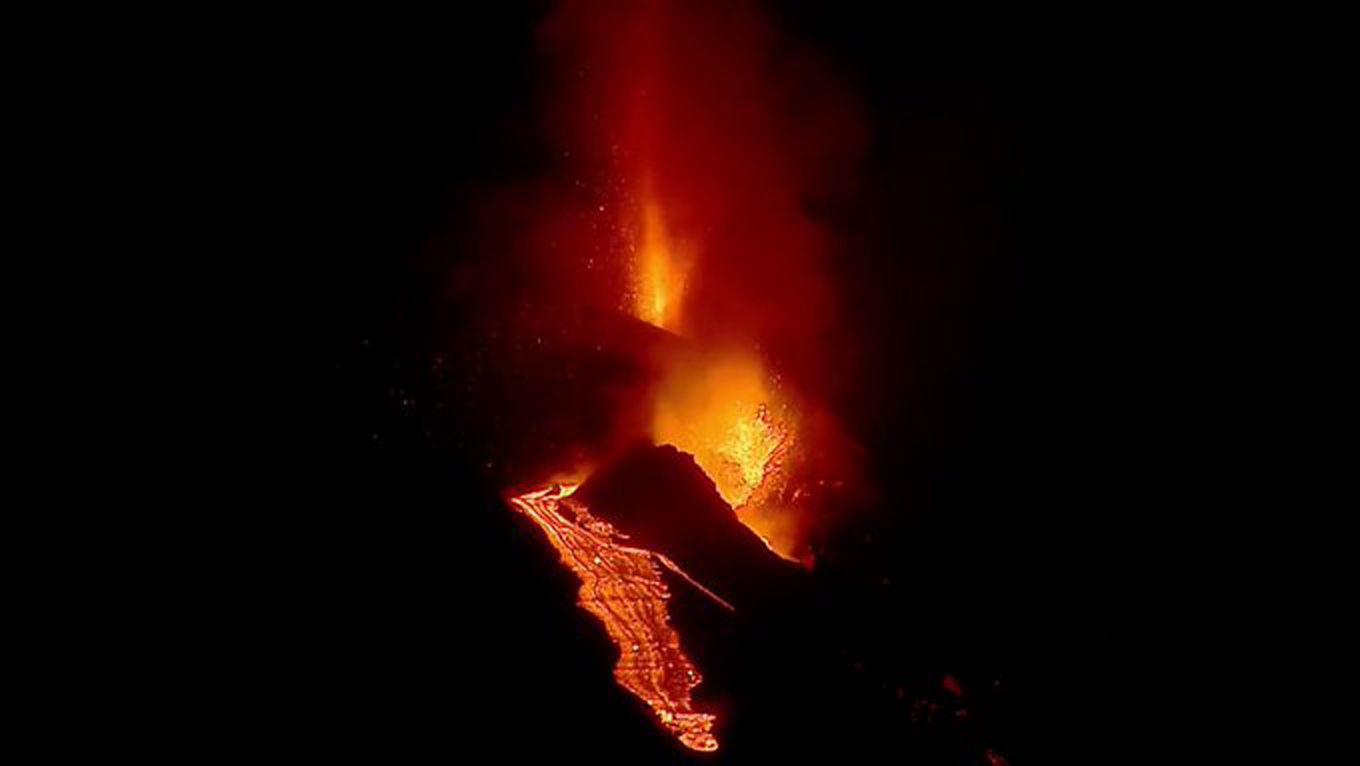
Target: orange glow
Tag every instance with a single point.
(719, 408)
(693, 139)
(724, 411)
(660, 272)
(622, 586)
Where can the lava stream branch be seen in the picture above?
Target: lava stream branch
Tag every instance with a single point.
(623, 587)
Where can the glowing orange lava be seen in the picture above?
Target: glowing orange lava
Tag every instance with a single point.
(622, 586)
(660, 270)
(692, 154)
(723, 409)
(719, 407)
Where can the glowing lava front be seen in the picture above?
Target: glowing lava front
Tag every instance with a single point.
(622, 586)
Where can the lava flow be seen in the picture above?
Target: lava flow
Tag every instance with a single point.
(689, 160)
(622, 586)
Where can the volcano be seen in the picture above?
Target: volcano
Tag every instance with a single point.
(664, 501)
(653, 511)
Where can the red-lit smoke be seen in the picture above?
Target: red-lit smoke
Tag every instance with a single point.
(684, 144)
(698, 121)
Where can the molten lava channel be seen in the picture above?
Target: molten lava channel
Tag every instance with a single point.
(622, 586)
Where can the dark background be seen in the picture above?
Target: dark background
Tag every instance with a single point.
(1012, 241)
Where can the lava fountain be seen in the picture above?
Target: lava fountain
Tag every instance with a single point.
(700, 161)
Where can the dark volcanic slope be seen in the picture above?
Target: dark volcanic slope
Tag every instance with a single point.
(772, 669)
(663, 501)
